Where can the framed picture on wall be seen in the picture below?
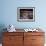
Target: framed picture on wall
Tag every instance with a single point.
(26, 14)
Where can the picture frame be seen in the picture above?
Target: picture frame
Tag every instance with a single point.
(26, 14)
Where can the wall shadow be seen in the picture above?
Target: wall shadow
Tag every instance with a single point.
(2, 29)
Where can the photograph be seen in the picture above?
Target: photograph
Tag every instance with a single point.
(25, 14)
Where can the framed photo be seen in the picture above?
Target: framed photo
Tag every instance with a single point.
(26, 14)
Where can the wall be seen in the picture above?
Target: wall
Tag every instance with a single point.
(9, 13)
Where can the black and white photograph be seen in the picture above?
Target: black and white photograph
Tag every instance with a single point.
(26, 14)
